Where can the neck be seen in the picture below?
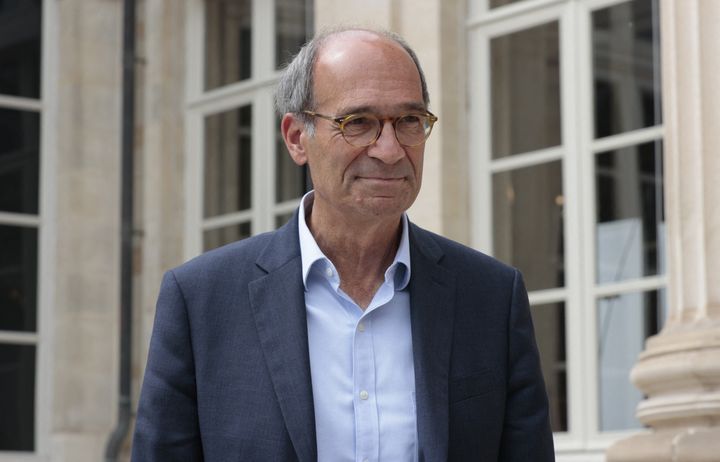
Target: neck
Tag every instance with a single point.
(361, 250)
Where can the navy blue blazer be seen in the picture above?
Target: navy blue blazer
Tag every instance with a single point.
(228, 372)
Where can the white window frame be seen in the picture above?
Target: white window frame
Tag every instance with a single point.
(257, 91)
(583, 440)
(45, 223)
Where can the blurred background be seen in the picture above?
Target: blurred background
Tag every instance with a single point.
(577, 141)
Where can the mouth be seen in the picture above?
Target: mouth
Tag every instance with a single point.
(380, 178)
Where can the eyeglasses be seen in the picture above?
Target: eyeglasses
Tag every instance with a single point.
(362, 130)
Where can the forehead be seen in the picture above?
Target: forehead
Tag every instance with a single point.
(362, 69)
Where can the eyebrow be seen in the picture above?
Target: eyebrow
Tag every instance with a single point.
(411, 106)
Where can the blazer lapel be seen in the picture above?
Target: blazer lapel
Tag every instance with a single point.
(278, 304)
(432, 292)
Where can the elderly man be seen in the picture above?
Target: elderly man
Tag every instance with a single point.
(349, 334)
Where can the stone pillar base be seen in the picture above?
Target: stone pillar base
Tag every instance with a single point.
(695, 444)
(680, 373)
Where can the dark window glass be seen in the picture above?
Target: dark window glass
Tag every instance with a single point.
(549, 323)
(17, 397)
(623, 324)
(528, 223)
(497, 3)
(228, 161)
(216, 237)
(228, 42)
(290, 179)
(293, 26)
(525, 91)
(626, 67)
(18, 278)
(19, 161)
(630, 229)
(20, 25)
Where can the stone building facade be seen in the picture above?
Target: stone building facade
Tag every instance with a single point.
(576, 141)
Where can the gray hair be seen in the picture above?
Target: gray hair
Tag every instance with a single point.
(294, 92)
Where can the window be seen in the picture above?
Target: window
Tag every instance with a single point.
(566, 146)
(20, 220)
(241, 180)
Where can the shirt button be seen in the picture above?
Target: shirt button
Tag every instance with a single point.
(364, 395)
(361, 327)
(329, 272)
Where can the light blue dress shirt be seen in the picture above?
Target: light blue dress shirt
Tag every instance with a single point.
(361, 362)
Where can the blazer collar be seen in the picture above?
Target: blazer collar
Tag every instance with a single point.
(278, 305)
(432, 305)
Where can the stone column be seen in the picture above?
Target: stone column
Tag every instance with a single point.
(86, 186)
(160, 164)
(679, 371)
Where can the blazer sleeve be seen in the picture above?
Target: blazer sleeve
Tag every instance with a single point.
(526, 433)
(167, 420)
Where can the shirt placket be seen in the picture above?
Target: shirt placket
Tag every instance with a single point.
(367, 433)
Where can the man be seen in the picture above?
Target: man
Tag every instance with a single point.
(348, 334)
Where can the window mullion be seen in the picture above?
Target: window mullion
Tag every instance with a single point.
(263, 38)
(194, 182)
(262, 180)
(194, 44)
(480, 143)
(586, 217)
(194, 134)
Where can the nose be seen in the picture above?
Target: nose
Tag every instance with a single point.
(386, 148)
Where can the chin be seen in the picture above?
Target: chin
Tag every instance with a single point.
(384, 206)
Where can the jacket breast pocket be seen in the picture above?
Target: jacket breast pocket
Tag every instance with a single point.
(471, 386)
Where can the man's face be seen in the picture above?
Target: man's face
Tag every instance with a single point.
(361, 72)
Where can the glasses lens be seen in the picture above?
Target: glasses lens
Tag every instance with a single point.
(360, 130)
(412, 129)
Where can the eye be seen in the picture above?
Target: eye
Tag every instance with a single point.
(357, 125)
(410, 122)
(410, 118)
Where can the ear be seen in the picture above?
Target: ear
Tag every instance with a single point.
(292, 128)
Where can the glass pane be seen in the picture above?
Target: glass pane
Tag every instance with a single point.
(528, 223)
(20, 24)
(290, 178)
(293, 26)
(623, 324)
(228, 43)
(221, 236)
(17, 397)
(19, 161)
(497, 3)
(549, 322)
(18, 278)
(626, 67)
(525, 91)
(228, 161)
(630, 233)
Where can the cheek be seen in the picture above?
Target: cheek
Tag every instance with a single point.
(416, 159)
(328, 169)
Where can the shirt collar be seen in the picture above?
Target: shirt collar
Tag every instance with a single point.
(399, 269)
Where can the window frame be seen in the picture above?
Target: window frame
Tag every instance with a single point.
(581, 292)
(257, 91)
(45, 224)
